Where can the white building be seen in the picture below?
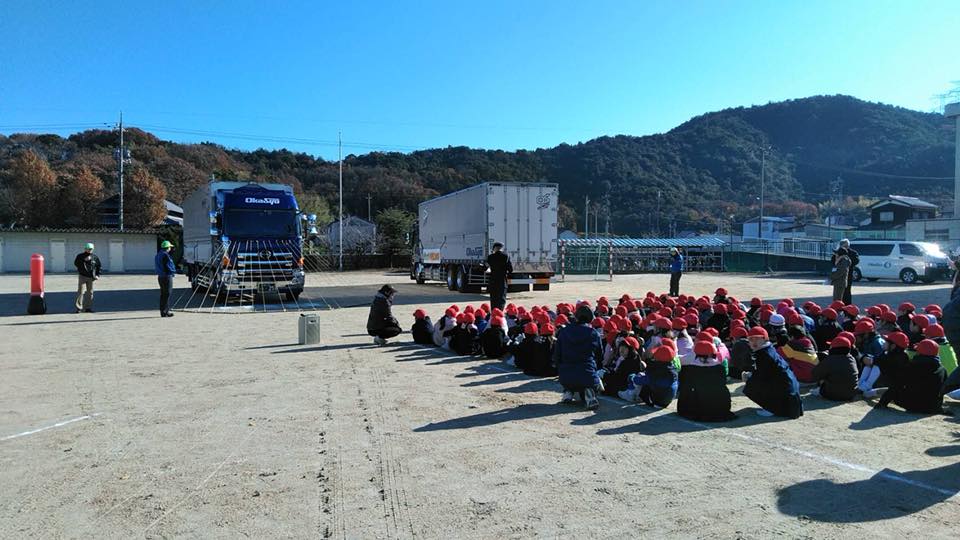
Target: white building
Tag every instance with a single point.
(358, 235)
(127, 251)
(772, 227)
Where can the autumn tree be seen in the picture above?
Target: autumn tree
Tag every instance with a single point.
(311, 203)
(80, 194)
(143, 201)
(31, 191)
(393, 227)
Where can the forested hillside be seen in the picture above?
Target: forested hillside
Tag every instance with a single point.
(706, 170)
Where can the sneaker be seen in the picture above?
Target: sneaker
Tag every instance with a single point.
(590, 398)
(627, 395)
(764, 413)
(815, 392)
(567, 397)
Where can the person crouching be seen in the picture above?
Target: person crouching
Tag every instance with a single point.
(575, 354)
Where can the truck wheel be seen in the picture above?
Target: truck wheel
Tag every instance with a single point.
(908, 275)
(463, 281)
(418, 274)
(452, 278)
(857, 275)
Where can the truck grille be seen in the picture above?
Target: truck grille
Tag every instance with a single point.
(265, 266)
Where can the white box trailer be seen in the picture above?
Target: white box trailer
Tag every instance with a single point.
(457, 231)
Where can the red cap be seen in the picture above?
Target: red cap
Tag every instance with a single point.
(738, 332)
(889, 316)
(829, 314)
(485, 307)
(665, 312)
(738, 323)
(765, 315)
(602, 309)
(609, 327)
(837, 304)
(419, 314)
(704, 348)
(933, 331)
(874, 311)
(851, 310)
(864, 326)
(497, 320)
(547, 330)
(711, 331)
(840, 343)
(455, 308)
(907, 307)
(666, 354)
(848, 335)
(468, 309)
(632, 342)
(720, 291)
(899, 339)
(737, 313)
(460, 318)
(450, 312)
(630, 305)
(667, 342)
(511, 309)
(928, 347)
(794, 319)
(758, 331)
(468, 318)
(921, 321)
(597, 322)
(480, 314)
(931, 307)
(756, 302)
(530, 328)
(563, 320)
(691, 319)
(624, 325)
(679, 324)
(720, 308)
(664, 323)
(602, 301)
(815, 310)
(621, 310)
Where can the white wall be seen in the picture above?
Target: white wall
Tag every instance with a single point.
(17, 247)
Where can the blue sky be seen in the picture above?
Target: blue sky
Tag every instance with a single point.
(409, 75)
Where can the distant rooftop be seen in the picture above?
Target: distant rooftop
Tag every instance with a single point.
(903, 200)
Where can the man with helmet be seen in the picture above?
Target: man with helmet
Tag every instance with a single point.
(88, 270)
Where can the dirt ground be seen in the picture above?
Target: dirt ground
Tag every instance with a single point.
(121, 424)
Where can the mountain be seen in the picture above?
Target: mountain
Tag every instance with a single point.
(704, 170)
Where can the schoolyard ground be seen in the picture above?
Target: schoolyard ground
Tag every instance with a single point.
(215, 423)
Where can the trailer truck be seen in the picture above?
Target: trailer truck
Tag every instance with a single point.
(245, 237)
(456, 232)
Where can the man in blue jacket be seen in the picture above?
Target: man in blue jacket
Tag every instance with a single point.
(676, 270)
(166, 269)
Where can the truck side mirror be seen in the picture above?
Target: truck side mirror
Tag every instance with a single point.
(214, 229)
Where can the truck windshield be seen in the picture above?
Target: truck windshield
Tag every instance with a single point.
(256, 223)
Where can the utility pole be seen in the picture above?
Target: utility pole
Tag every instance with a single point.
(121, 156)
(658, 212)
(369, 213)
(340, 163)
(586, 217)
(606, 204)
(763, 173)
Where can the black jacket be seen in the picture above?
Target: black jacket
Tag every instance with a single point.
(500, 268)
(616, 380)
(493, 341)
(703, 394)
(540, 363)
(741, 358)
(824, 333)
(423, 331)
(773, 385)
(381, 315)
(918, 387)
(463, 340)
(837, 374)
(88, 264)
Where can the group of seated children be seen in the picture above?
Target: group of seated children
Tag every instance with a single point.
(659, 348)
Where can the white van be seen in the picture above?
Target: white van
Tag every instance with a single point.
(895, 259)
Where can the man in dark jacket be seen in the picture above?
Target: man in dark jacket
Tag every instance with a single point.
(499, 268)
(88, 270)
(164, 266)
(381, 324)
(854, 261)
(576, 354)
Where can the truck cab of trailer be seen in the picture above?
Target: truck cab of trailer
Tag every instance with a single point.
(254, 240)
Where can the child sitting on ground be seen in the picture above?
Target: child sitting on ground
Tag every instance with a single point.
(422, 329)
(540, 363)
(702, 394)
(918, 387)
(522, 347)
(837, 373)
(628, 361)
(493, 340)
(463, 339)
(657, 385)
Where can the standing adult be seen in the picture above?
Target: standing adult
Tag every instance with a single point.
(676, 271)
(499, 268)
(840, 273)
(381, 324)
(88, 271)
(847, 296)
(166, 269)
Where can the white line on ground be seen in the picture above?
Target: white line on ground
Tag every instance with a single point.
(51, 426)
(743, 436)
